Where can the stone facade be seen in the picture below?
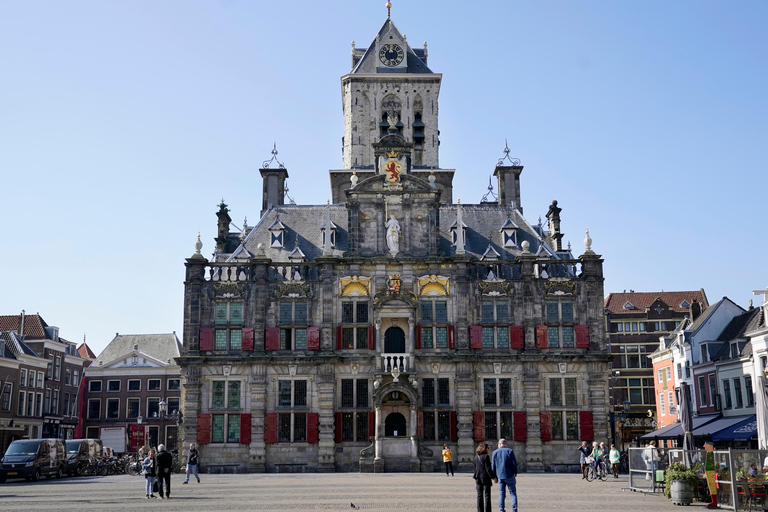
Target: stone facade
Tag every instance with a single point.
(365, 334)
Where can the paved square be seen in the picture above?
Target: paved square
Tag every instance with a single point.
(389, 491)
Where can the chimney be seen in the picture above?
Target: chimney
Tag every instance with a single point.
(224, 221)
(509, 185)
(553, 215)
(274, 188)
(21, 324)
(695, 310)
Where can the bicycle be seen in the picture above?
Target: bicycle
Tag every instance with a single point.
(597, 472)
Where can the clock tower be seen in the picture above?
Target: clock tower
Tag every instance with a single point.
(389, 91)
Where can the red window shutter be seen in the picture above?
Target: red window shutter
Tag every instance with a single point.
(338, 427)
(582, 336)
(516, 337)
(450, 336)
(313, 338)
(313, 430)
(586, 427)
(478, 420)
(206, 338)
(420, 423)
(545, 420)
(338, 337)
(371, 424)
(418, 336)
(541, 336)
(203, 428)
(475, 338)
(245, 429)
(371, 338)
(454, 436)
(272, 341)
(248, 338)
(270, 427)
(520, 427)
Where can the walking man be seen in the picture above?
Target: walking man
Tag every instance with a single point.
(164, 464)
(504, 464)
(192, 463)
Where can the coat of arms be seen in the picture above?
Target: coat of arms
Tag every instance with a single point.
(394, 284)
(392, 168)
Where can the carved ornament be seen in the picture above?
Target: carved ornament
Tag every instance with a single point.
(293, 290)
(229, 290)
(434, 285)
(560, 286)
(493, 288)
(354, 286)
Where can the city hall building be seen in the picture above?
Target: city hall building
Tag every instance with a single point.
(363, 334)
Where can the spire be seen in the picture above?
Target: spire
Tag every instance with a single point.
(327, 250)
(389, 6)
(459, 232)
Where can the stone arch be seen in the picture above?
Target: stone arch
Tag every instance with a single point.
(402, 387)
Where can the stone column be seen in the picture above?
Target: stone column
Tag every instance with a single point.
(378, 459)
(326, 385)
(258, 399)
(379, 348)
(411, 345)
(532, 404)
(464, 393)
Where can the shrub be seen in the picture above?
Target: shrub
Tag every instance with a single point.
(678, 472)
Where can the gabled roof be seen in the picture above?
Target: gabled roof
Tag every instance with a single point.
(704, 316)
(16, 345)
(161, 347)
(614, 302)
(368, 63)
(34, 326)
(85, 351)
(737, 326)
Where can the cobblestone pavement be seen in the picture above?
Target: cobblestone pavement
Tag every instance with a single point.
(389, 491)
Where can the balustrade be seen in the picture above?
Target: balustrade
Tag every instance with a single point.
(392, 361)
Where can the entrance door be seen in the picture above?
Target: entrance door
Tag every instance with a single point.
(394, 425)
(394, 341)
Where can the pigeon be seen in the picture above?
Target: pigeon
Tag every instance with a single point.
(353, 506)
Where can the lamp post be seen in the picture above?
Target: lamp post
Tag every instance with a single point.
(163, 406)
(626, 406)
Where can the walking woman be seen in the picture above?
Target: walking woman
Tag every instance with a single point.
(150, 473)
(484, 477)
(448, 460)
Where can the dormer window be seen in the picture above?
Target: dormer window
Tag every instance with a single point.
(277, 234)
(685, 304)
(704, 353)
(629, 305)
(333, 234)
(454, 236)
(734, 350)
(490, 254)
(509, 233)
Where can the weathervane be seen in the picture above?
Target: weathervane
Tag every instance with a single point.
(514, 161)
(267, 163)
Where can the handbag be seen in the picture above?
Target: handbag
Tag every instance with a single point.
(155, 487)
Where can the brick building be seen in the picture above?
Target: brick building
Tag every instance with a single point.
(635, 322)
(364, 334)
(133, 392)
(41, 373)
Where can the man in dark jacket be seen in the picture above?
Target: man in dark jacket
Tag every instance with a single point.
(504, 464)
(192, 463)
(164, 465)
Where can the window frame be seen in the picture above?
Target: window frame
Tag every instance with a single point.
(113, 414)
(289, 331)
(356, 327)
(91, 386)
(128, 402)
(6, 397)
(131, 381)
(558, 327)
(89, 410)
(495, 326)
(159, 384)
(110, 382)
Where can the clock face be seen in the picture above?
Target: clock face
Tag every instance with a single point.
(391, 55)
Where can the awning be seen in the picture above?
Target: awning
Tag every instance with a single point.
(720, 424)
(675, 430)
(741, 431)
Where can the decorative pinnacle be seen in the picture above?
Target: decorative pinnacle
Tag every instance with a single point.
(389, 6)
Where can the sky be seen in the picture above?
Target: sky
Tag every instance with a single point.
(124, 124)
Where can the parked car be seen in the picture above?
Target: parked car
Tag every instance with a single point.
(33, 458)
(79, 453)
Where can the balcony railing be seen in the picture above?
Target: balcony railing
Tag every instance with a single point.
(392, 361)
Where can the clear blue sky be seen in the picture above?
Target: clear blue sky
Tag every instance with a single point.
(123, 124)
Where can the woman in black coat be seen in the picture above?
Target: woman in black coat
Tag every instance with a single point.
(484, 477)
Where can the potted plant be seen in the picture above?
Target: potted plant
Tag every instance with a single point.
(680, 483)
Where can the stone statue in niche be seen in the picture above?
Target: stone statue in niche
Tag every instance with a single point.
(393, 235)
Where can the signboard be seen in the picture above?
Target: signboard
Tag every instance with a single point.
(137, 437)
(114, 437)
(673, 410)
